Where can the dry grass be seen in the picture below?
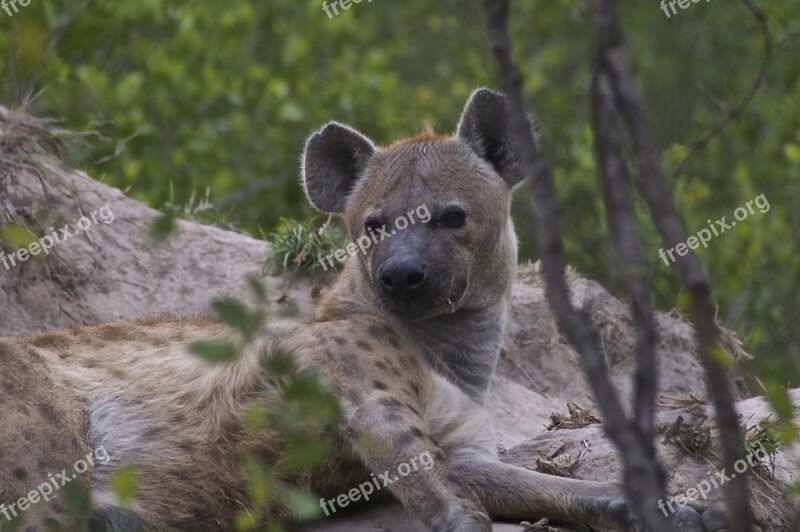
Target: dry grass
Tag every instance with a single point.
(577, 418)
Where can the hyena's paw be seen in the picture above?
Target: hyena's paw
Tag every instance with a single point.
(699, 519)
(685, 518)
(457, 518)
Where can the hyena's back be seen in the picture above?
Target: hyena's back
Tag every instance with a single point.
(133, 390)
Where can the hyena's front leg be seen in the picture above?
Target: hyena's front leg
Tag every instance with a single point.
(385, 429)
(513, 492)
(516, 493)
(388, 434)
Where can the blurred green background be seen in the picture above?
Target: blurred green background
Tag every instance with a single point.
(221, 95)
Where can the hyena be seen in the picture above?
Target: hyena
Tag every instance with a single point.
(407, 339)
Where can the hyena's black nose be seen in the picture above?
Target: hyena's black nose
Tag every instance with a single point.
(403, 276)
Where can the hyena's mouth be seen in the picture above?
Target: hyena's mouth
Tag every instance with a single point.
(432, 303)
(457, 294)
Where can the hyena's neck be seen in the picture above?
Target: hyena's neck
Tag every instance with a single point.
(462, 346)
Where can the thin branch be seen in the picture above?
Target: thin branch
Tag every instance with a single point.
(641, 473)
(653, 187)
(622, 224)
(731, 113)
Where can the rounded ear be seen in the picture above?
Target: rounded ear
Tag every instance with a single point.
(333, 160)
(484, 127)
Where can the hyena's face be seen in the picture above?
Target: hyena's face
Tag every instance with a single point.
(430, 214)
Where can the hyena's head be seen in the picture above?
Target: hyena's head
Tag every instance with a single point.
(429, 215)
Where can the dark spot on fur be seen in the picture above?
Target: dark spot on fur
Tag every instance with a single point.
(339, 340)
(328, 355)
(361, 344)
(378, 385)
(113, 333)
(414, 411)
(48, 412)
(392, 416)
(354, 397)
(417, 433)
(393, 342)
(388, 401)
(118, 374)
(380, 364)
(158, 342)
(415, 388)
(403, 439)
(178, 418)
(152, 431)
(50, 341)
(20, 474)
(455, 479)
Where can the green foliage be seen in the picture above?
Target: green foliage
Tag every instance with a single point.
(767, 438)
(197, 98)
(214, 351)
(298, 407)
(295, 245)
(124, 484)
(16, 236)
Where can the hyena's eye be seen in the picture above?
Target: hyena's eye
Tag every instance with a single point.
(453, 218)
(372, 225)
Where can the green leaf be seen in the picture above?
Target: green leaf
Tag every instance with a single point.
(304, 505)
(279, 364)
(214, 351)
(124, 484)
(234, 314)
(76, 494)
(246, 521)
(257, 288)
(260, 481)
(778, 397)
(162, 227)
(16, 236)
(257, 417)
(304, 453)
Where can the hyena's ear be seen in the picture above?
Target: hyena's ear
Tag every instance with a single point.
(333, 160)
(484, 126)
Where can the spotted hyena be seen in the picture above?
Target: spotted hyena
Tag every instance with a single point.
(407, 339)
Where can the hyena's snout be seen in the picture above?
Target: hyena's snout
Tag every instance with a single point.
(403, 277)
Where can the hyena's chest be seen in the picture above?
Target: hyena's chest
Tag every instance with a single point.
(459, 424)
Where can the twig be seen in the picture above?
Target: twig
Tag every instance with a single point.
(731, 113)
(622, 224)
(657, 197)
(642, 478)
